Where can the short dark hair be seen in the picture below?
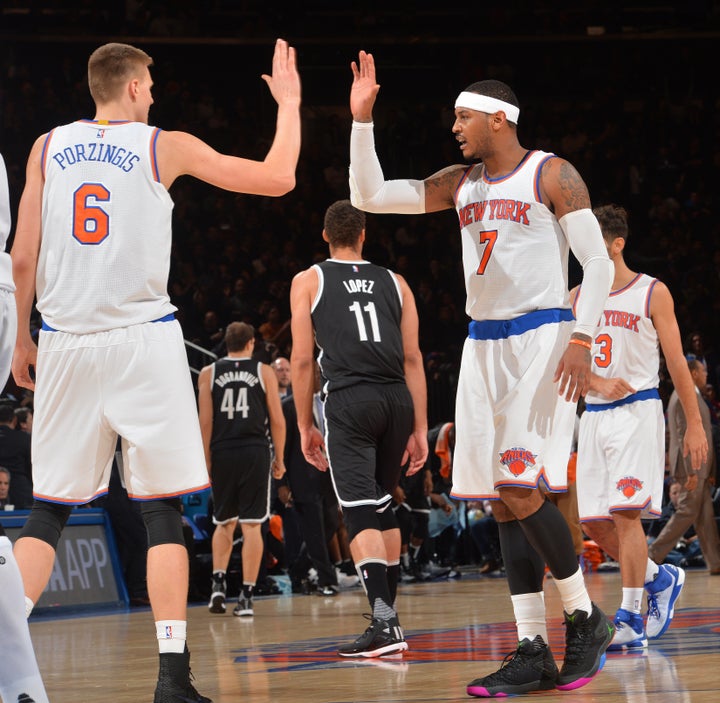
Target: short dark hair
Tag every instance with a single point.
(343, 224)
(494, 89)
(695, 365)
(613, 221)
(7, 413)
(238, 335)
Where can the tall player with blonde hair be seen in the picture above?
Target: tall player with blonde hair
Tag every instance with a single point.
(93, 241)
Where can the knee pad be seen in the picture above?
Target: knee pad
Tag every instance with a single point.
(420, 525)
(46, 522)
(360, 517)
(163, 521)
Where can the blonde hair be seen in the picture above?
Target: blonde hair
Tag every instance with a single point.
(110, 66)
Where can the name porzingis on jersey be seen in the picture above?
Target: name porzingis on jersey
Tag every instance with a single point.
(500, 209)
(359, 285)
(620, 318)
(517, 459)
(102, 152)
(237, 376)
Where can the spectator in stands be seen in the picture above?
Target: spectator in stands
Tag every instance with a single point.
(15, 456)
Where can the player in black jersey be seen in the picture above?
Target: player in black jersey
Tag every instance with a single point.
(239, 402)
(364, 320)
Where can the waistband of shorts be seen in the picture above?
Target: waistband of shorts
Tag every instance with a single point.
(648, 394)
(167, 318)
(501, 329)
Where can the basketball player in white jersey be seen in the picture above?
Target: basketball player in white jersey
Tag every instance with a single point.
(19, 674)
(93, 241)
(520, 213)
(621, 447)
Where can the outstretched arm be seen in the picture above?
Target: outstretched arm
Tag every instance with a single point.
(369, 190)
(180, 153)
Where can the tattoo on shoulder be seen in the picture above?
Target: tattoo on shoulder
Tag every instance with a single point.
(573, 190)
(445, 181)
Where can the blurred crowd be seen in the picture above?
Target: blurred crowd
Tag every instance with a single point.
(656, 151)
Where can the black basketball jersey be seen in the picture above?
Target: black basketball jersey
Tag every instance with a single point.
(240, 415)
(356, 315)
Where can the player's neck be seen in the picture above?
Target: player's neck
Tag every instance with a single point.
(504, 161)
(623, 274)
(346, 254)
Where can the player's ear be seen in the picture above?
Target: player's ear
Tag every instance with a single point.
(325, 236)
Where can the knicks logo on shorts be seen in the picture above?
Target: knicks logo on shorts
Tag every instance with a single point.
(517, 460)
(629, 486)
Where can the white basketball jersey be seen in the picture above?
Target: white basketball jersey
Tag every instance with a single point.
(626, 343)
(515, 254)
(106, 228)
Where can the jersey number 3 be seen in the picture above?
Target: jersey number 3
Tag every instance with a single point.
(91, 224)
(604, 356)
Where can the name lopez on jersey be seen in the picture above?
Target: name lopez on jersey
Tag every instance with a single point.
(97, 151)
(359, 285)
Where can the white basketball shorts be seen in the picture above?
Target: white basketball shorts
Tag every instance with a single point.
(621, 460)
(512, 426)
(132, 382)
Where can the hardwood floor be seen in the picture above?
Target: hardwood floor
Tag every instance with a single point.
(456, 630)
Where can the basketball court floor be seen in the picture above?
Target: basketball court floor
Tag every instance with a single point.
(456, 630)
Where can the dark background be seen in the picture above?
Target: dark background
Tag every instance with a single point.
(626, 92)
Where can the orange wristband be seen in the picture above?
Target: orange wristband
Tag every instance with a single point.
(581, 342)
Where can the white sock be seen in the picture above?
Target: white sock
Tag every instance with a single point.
(29, 605)
(529, 609)
(651, 571)
(573, 593)
(632, 599)
(19, 671)
(171, 635)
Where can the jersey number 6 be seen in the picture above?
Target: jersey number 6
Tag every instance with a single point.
(91, 224)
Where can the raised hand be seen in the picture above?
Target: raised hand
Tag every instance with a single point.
(284, 83)
(364, 88)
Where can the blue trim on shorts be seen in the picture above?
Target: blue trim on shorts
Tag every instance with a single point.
(501, 329)
(649, 394)
(167, 318)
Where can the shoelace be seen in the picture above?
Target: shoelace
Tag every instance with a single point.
(575, 649)
(653, 608)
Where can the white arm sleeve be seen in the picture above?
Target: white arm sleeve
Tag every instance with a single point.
(586, 241)
(369, 190)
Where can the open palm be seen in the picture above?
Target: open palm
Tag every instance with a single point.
(364, 87)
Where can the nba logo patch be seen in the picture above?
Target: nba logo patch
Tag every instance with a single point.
(168, 632)
(100, 134)
(355, 269)
(517, 460)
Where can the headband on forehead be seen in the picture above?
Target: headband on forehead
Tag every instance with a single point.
(484, 103)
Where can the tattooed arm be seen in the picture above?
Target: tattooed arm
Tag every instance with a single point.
(440, 188)
(563, 190)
